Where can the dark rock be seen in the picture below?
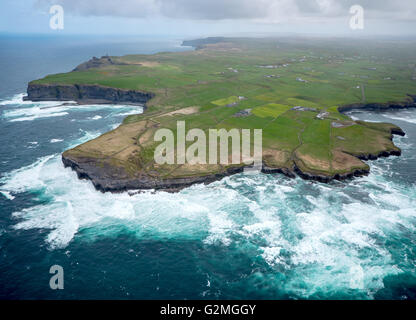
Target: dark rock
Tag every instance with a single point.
(398, 131)
(85, 93)
(409, 103)
(107, 178)
(327, 179)
(383, 154)
(285, 171)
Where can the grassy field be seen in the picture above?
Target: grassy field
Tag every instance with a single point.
(270, 78)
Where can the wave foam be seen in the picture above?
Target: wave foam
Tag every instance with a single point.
(405, 119)
(29, 111)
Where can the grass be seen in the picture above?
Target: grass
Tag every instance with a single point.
(270, 110)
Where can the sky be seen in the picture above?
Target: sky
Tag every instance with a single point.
(210, 17)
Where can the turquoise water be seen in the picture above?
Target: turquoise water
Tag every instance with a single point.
(246, 236)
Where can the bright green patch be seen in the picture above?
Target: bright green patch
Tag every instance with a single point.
(270, 110)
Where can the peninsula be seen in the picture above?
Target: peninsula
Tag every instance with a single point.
(296, 90)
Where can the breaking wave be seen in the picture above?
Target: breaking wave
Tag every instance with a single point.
(408, 119)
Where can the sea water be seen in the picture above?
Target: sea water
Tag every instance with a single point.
(246, 236)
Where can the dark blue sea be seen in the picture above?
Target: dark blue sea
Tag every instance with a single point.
(245, 237)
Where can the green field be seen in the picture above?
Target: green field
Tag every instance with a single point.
(271, 78)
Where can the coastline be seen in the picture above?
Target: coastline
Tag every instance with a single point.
(85, 94)
(409, 103)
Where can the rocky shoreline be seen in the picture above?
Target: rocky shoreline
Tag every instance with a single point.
(106, 179)
(109, 179)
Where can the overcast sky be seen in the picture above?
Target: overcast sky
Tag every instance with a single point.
(209, 17)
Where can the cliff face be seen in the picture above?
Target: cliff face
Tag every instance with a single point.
(409, 103)
(107, 178)
(84, 93)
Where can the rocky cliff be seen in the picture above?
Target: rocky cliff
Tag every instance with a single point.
(95, 62)
(408, 103)
(85, 94)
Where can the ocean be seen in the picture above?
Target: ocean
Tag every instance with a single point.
(244, 237)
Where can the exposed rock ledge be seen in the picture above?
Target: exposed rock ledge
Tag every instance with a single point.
(85, 93)
(348, 175)
(107, 178)
(111, 179)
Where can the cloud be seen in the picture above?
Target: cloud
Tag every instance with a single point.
(99, 8)
(257, 10)
(215, 9)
